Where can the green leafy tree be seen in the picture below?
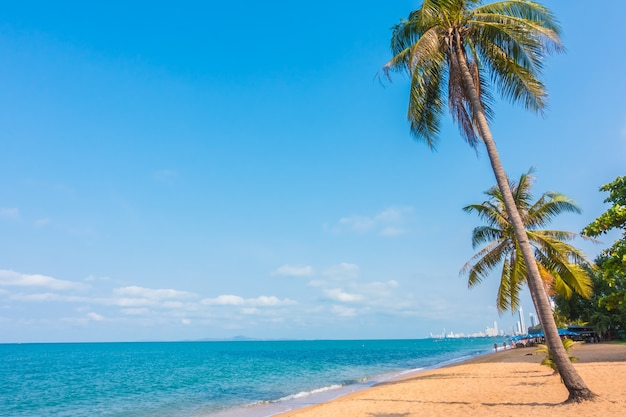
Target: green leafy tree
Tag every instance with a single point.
(593, 311)
(606, 310)
(456, 52)
(612, 261)
(561, 265)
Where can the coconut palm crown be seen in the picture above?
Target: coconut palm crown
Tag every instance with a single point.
(503, 45)
(561, 265)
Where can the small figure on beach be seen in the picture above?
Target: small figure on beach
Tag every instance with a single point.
(504, 345)
(495, 347)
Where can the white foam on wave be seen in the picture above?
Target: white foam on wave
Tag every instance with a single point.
(308, 393)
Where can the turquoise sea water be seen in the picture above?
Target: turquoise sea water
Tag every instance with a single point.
(184, 379)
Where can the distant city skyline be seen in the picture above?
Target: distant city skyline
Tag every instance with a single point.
(519, 328)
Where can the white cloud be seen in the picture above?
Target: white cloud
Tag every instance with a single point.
(15, 279)
(95, 316)
(235, 300)
(272, 301)
(12, 213)
(294, 270)
(173, 304)
(225, 300)
(186, 322)
(136, 311)
(338, 294)
(152, 294)
(380, 289)
(343, 311)
(390, 222)
(37, 297)
(48, 296)
(133, 302)
(343, 270)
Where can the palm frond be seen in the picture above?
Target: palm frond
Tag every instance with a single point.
(485, 234)
(412, 49)
(550, 205)
(515, 82)
(564, 263)
(493, 214)
(517, 278)
(503, 297)
(538, 17)
(425, 104)
(521, 193)
(483, 262)
(512, 278)
(555, 244)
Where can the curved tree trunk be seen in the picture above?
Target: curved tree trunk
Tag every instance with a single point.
(577, 388)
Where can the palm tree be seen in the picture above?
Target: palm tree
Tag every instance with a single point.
(560, 264)
(464, 49)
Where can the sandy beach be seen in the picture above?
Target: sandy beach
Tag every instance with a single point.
(507, 383)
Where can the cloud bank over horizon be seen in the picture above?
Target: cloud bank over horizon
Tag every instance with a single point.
(335, 292)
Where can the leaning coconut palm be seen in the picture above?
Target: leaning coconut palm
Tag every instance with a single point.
(461, 49)
(561, 265)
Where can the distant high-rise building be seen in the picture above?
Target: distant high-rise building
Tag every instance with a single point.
(522, 322)
(533, 320)
(495, 328)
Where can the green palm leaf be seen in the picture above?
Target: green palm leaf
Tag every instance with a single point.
(560, 264)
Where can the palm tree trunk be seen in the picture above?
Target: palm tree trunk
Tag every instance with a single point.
(577, 388)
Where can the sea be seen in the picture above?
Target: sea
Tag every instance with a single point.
(207, 379)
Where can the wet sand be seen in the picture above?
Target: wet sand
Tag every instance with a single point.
(506, 383)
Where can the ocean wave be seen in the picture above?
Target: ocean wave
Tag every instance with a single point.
(303, 394)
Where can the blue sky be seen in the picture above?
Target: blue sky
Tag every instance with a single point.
(186, 170)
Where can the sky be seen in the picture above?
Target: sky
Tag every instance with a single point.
(197, 170)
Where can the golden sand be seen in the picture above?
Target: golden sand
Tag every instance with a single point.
(510, 383)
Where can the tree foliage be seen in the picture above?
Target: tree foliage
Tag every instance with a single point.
(615, 216)
(593, 311)
(612, 261)
(503, 45)
(606, 311)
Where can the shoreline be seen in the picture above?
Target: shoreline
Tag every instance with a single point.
(504, 383)
(323, 395)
